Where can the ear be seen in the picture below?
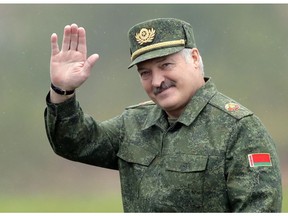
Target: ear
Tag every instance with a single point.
(195, 57)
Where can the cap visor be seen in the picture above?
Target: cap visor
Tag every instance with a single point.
(155, 54)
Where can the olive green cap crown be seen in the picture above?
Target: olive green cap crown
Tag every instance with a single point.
(159, 37)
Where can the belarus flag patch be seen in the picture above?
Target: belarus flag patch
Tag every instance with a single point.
(259, 159)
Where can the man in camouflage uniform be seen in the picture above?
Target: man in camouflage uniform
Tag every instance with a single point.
(190, 149)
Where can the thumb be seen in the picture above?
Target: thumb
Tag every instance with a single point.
(90, 61)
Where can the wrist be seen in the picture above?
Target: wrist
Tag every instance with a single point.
(57, 98)
(61, 91)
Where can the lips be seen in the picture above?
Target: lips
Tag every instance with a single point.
(164, 86)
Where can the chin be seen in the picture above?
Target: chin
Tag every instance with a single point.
(167, 105)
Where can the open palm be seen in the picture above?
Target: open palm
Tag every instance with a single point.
(70, 67)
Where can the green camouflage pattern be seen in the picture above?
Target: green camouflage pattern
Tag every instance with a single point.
(166, 30)
(198, 164)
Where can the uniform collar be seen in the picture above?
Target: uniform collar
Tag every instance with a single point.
(198, 102)
(158, 117)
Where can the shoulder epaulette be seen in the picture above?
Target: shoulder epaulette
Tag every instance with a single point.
(230, 106)
(146, 103)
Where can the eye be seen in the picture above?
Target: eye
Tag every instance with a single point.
(145, 74)
(166, 65)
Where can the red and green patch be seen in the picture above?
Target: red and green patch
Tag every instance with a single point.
(259, 159)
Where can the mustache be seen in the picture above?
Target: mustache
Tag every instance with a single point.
(164, 85)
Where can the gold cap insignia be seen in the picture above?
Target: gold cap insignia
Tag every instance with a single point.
(232, 107)
(145, 36)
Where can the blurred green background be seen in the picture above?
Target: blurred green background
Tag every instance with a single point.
(244, 49)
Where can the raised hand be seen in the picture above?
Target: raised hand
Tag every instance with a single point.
(70, 67)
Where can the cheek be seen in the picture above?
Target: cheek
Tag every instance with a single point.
(147, 86)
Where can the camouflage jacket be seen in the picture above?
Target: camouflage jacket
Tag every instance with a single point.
(217, 157)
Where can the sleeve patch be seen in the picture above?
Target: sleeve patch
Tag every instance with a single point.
(259, 159)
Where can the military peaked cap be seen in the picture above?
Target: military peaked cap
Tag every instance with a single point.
(159, 37)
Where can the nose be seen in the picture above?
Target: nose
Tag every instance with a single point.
(157, 78)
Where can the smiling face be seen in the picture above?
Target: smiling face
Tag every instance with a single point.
(172, 80)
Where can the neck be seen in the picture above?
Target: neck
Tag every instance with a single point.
(175, 114)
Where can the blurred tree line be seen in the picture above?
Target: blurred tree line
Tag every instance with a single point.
(244, 48)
